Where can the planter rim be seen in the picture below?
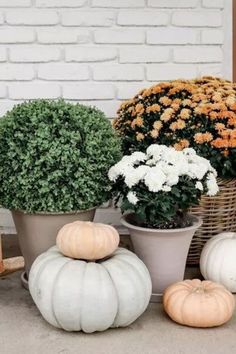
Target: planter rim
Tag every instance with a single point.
(54, 212)
(197, 222)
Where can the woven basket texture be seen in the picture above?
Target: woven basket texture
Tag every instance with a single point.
(218, 214)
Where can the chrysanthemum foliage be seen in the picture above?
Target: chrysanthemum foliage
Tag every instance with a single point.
(159, 186)
(54, 157)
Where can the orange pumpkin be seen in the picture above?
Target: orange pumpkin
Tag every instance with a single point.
(87, 240)
(198, 303)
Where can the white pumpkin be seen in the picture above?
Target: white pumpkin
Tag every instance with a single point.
(90, 296)
(218, 260)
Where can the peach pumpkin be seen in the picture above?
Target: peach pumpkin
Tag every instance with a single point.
(198, 303)
(87, 240)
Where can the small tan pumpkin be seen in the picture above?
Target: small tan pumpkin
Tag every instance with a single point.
(87, 240)
(198, 303)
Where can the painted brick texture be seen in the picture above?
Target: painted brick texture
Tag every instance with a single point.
(101, 52)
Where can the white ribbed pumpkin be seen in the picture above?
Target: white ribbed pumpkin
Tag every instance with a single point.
(90, 296)
(87, 240)
(218, 260)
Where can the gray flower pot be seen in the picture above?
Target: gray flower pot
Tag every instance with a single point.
(37, 232)
(163, 251)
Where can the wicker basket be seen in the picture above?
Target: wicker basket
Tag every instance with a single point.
(218, 214)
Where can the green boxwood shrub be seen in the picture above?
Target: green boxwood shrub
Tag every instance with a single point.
(54, 157)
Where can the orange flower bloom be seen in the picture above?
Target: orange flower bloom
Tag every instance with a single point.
(154, 133)
(157, 125)
(232, 143)
(219, 126)
(225, 134)
(185, 113)
(167, 114)
(147, 92)
(179, 124)
(175, 106)
(233, 107)
(230, 101)
(201, 138)
(177, 101)
(186, 102)
(220, 143)
(153, 108)
(217, 97)
(156, 89)
(139, 136)
(139, 108)
(213, 115)
(232, 121)
(139, 121)
(182, 144)
(166, 101)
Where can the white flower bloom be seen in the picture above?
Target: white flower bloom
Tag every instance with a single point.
(132, 198)
(212, 185)
(156, 151)
(197, 170)
(161, 168)
(172, 179)
(137, 156)
(131, 178)
(165, 167)
(214, 172)
(141, 171)
(113, 173)
(151, 162)
(199, 185)
(172, 156)
(154, 179)
(166, 188)
(189, 151)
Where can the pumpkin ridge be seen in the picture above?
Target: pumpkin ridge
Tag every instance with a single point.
(40, 269)
(116, 292)
(39, 274)
(205, 257)
(53, 291)
(215, 248)
(219, 305)
(118, 295)
(82, 297)
(220, 293)
(43, 259)
(222, 260)
(74, 239)
(135, 269)
(221, 274)
(182, 315)
(104, 269)
(171, 292)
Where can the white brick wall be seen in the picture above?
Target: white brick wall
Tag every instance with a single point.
(101, 52)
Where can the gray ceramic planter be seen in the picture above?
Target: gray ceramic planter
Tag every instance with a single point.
(163, 251)
(37, 232)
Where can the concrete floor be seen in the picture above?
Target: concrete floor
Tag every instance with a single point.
(24, 331)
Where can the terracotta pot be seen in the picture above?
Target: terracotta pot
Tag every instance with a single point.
(163, 251)
(37, 232)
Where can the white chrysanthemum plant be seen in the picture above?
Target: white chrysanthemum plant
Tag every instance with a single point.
(159, 186)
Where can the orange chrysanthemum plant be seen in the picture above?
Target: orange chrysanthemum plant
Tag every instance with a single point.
(198, 113)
